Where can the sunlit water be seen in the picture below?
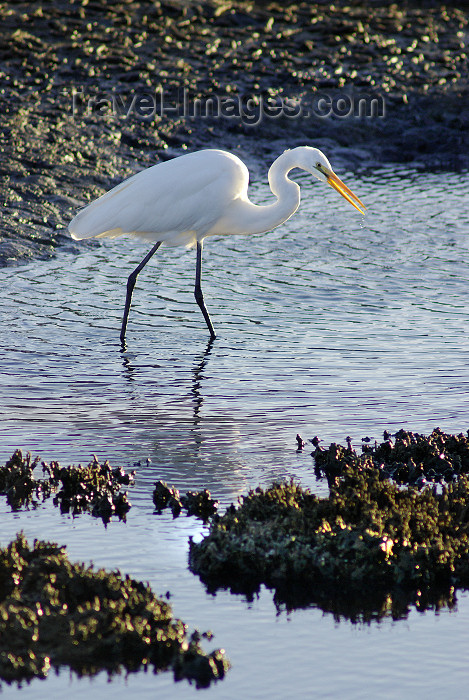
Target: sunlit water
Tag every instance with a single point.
(332, 325)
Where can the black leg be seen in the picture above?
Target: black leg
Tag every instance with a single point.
(199, 297)
(130, 288)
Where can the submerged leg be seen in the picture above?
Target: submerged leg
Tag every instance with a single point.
(130, 288)
(199, 297)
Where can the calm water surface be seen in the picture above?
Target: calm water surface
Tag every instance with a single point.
(332, 325)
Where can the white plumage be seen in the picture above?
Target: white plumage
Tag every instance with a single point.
(181, 201)
(171, 202)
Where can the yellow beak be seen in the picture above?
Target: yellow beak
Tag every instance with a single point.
(342, 189)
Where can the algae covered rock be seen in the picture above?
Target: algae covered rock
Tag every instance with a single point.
(370, 548)
(95, 488)
(406, 457)
(18, 483)
(54, 613)
(197, 503)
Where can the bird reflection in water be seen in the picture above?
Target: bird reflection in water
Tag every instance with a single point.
(197, 374)
(197, 377)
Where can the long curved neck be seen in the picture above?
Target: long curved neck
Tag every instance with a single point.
(259, 219)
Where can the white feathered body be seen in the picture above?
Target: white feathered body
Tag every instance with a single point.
(177, 201)
(181, 201)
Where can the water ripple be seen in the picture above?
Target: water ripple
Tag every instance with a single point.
(329, 325)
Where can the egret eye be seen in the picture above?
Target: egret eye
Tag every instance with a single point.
(319, 166)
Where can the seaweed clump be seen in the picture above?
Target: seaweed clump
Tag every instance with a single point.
(54, 613)
(18, 483)
(95, 488)
(198, 503)
(370, 548)
(411, 458)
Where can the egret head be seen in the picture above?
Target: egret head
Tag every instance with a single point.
(316, 163)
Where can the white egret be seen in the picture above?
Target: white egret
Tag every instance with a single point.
(184, 200)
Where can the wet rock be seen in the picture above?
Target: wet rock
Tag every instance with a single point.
(404, 457)
(165, 496)
(17, 482)
(198, 503)
(300, 443)
(54, 613)
(95, 488)
(371, 548)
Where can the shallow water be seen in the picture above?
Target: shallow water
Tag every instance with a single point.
(332, 325)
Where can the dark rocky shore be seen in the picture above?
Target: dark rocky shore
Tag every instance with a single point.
(391, 534)
(56, 613)
(91, 93)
